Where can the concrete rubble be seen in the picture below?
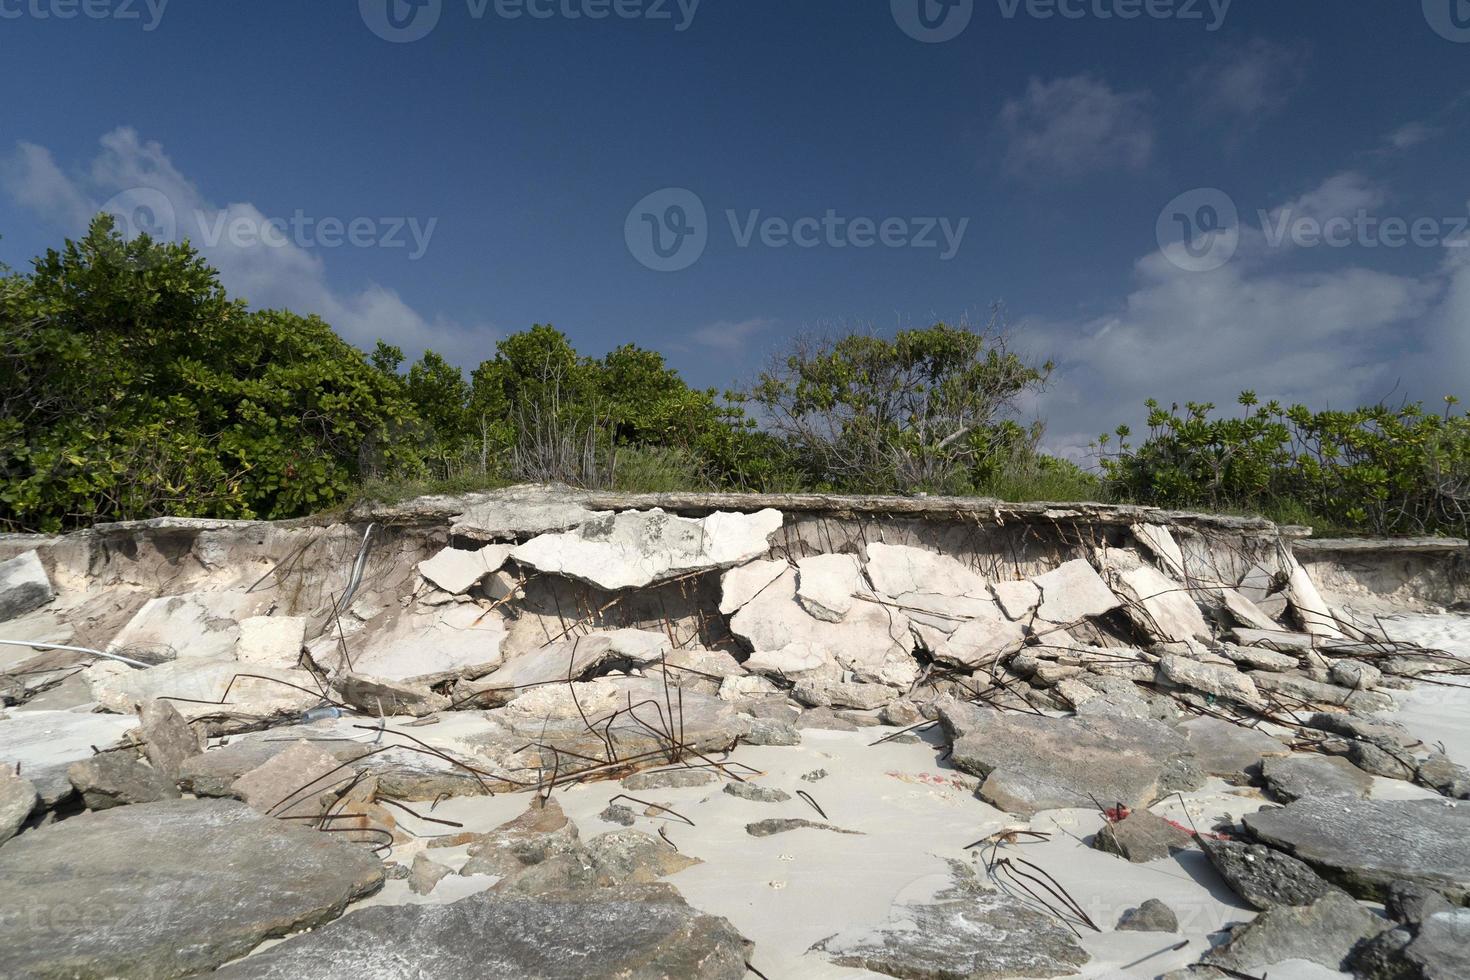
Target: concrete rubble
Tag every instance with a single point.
(1075, 691)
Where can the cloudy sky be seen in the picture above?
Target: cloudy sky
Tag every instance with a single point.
(1172, 198)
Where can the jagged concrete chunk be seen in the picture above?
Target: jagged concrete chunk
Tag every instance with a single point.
(119, 779)
(982, 641)
(833, 694)
(1442, 775)
(506, 518)
(1316, 618)
(671, 779)
(1073, 592)
(638, 932)
(1314, 777)
(213, 772)
(1233, 752)
(1161, 543)
(1324, 932)
(1315, 692)
(1018, 600)
(1152, 916)
(1441, 950)
(1245, 612)
(380, 696)
(425, 874)
(571, 659)
(1032, 763)
(901, 570)
(44, 743)
(1266, 878)
(299, 782)
(638, 548)
(18, 797)
(271, 641)
(1225, 682)
(826, 584)
(194, 626)
(795, 662)
(456, 570)
(1366, 845)
(1258, 658)
(427, 645)
(965, 931)
(24, 586)
(168, 740)
(1161, 607)
(1142, 836)
(167, 889)
(740, 585)
(214, 692)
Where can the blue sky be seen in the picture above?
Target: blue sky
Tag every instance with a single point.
(1144, 194)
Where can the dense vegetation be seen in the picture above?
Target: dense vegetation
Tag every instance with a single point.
(132, 386)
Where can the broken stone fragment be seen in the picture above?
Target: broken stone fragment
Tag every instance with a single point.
(741, 584)
(1356, 674)
(194, 626)
(982, 641)
(1258, 658)
(168, 889)
(1266, 878)
(419, 645)
(1212, 679)
(119, 779)
(198, 689)
(757, 794)
(456, 571)
(425, 874)
(1311, 609)
(1245, 612)
(1314, 777)
(1152, 916)
(1018, 600)
(1233, 752)
(1160, 607)
(794, 662)
(826, 584)
(829, 694)
(1325, 932)
(1160, 542)
(1442, 775)
(633, 931)
(271, 641)
(1142, 836)
(168, 740)
(542, 832)
(1317, 693)
(213, 772)
(377, 696)
(628, 857)
(571, 659)
(634, 549)
(1073, 592)
(18, 798)
(670, 779)
(617, 813)
(770, 828)
(302, 781)
(24, 586)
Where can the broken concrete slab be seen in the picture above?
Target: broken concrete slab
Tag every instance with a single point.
(44, 743)
(826, 585)
(168, 740)
(427, 644)
(834, 694)
(757, 794)
(1018, 600)
(425, 874)
(741, 584)
(572, 659)
(642, 931)
(1314, 777)
(1159, 606)
(1366, 845)
(1073, 592)
(1160, 542)
(1316, 618)
(1304, 689)
(1440, 950)
(380, 696)
(1142, 836)
(1152, 916)
(167, 889)
(540, 833)
(111, 779)
(1265, 877)
(624, 857)
(1324, 932)
(671, 779)
(212, 773)
(1258, 658)
(508, 518)
(1031, 763)
(222, 695)
(271, 641)
(796, 662)
(1245, 612)
(982, 641)
(961, 929)
(24, 586)
(1444, 776)
(302, 781)
(456, 570)
(193, 626)
(634, 549)
(1212, 679)
(935, 589)
(18, 798)
(1233, 752)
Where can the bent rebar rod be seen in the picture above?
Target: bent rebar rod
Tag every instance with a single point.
(57, 646)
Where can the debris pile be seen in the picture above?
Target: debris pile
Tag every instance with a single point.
(307, 696)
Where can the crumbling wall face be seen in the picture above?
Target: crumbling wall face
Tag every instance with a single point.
(1391, 578)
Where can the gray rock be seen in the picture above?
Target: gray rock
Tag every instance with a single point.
(1031, 763)
(1233, 752)
(815, 776)
(119, 779)
(167, 889)
(641, 932)
(1366, 845)
(542, 832)
(770, 731)
(1259, 658)
(833, 694)
(1214, 679)
(1382, 957)
(1444, 776)
(1389, 734)
(1072, 592)
(215, 771)
(24, 586)
(1152, 916)
(1142, 836)
(1264, 877)
(168, 741)
(617, 813)
(1378, 761)
(1356, 674)
(18, 798)
(1300, 777)
(1441, 951)
(1304, 689)
(770, 828)
(1409, 903)
(1325, 932)
(967, 932)
(571, 659)
(456, 570)
(302, 781)
(380, 696)
(425, 874)
(623, 857)
(670, 779)
(757, 794)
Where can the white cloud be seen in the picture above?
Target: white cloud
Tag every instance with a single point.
(1411, 135)
(284, 274)
(1071, 126)
(729, 336)
(1252, 80)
